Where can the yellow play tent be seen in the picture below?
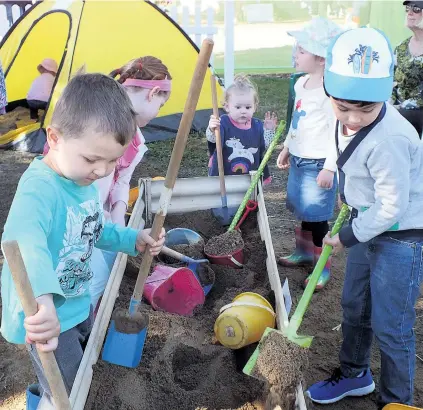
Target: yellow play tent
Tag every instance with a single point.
(102, 35)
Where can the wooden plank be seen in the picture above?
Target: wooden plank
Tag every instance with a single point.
(83, 378)
(300, 403)
(272, 267)
(274, 279)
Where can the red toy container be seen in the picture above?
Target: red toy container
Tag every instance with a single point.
(235, 260)
(174, 290)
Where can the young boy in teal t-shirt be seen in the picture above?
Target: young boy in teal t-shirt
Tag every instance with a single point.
(57, 219)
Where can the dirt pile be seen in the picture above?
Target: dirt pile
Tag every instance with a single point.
(224, 244)
(282, 363)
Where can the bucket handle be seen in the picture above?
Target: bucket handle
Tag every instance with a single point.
(233, 260)
(234, 304)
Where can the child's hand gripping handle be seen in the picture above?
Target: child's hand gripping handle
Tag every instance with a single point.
(23, 288)
(174, 165)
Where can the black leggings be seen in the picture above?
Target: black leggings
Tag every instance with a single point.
(415, 118)
(318, 231)
(34, 106)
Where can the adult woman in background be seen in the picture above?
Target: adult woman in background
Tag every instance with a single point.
(407, 94)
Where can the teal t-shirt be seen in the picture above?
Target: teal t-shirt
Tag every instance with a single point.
(56, 224)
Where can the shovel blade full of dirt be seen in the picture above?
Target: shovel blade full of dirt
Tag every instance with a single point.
(290, 332)
(128, 331)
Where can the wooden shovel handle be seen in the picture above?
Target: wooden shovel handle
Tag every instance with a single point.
(218, 138)
(175, 160)
(17, 268)
(172, 253)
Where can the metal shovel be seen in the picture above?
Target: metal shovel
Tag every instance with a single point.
(291, 331)
(221, 214)
(128, 330)
(182, 258)
(17, 268)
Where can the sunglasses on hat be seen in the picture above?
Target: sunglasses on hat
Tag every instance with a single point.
(413, 8)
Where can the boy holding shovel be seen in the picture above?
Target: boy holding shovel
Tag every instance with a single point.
(380, 163)
(57, 219)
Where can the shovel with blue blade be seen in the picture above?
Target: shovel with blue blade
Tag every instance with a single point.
(128, 329)
(193, 264)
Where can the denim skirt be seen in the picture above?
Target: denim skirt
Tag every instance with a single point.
(305, 199)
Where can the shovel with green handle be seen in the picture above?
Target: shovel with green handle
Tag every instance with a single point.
(291, 331)
(257, 175)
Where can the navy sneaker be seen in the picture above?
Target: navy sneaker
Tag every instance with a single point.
(338, 386)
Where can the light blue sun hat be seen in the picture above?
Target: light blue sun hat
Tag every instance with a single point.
(316, 35)
(360, 66)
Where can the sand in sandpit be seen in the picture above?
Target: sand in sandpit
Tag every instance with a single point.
(129, 324)
(17, 118)
(205, 274)
(182, 367)
(282, 364)
(224, 244)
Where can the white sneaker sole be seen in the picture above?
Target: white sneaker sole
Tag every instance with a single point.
(352, 393)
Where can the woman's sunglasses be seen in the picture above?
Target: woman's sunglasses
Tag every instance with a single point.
(414, 9)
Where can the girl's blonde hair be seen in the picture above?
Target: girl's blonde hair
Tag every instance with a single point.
(242, 84)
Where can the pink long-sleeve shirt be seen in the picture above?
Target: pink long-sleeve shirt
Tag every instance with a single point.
(41, 88)
(115, 187)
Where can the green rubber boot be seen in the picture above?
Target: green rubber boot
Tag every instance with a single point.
(325, 276)
(303, 253)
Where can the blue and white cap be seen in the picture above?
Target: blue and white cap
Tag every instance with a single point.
(360, 66)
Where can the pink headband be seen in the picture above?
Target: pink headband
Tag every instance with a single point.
(164, 85)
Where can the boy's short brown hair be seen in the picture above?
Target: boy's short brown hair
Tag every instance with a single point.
(98, 102)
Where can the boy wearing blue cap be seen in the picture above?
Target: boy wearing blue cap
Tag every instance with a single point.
(380, 162)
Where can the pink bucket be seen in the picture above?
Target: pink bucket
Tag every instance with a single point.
(173, 290)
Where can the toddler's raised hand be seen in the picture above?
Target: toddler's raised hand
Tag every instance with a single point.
(144, 239)
(325, 179)
(283, 159)
(214, 122)
(43, 328)
(270, 121)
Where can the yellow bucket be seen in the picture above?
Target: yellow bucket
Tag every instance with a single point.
(243, 321)
(395, 406)
(133, 196)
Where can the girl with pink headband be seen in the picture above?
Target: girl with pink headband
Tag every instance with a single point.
(148, 84)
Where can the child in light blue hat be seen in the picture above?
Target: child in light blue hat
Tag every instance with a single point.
(311, 189)
(380, 163)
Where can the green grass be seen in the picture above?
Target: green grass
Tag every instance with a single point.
(273, 95)
(259, 61)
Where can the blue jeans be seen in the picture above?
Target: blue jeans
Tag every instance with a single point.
(304, 198)
(382, 282)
